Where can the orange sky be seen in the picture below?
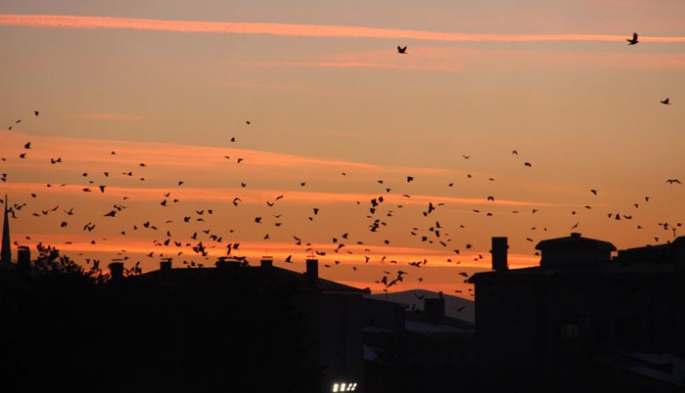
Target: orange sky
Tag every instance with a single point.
(332, 104)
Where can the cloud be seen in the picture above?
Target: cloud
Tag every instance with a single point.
(295, 30)
(345, 64)
(110, 116)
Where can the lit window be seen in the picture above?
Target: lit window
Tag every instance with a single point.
(342, 387)
(335, 387)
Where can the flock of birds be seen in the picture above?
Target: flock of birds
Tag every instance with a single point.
(434, 233)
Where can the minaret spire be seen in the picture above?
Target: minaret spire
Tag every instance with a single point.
(6, 250)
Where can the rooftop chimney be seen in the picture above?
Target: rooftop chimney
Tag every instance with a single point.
(24, 258)
(434, 309)
(312, 268)
(165, 264)
(499, 254)
(116, 269)
(266, 262)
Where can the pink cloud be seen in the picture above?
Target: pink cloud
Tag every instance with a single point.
(321, 31)
(110, 116)
(346, 64)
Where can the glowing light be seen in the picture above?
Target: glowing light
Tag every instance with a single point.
(344, 387)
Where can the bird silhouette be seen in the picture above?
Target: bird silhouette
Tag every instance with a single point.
(671, 181)
(632, 41)
(667, 101)
(402, 50)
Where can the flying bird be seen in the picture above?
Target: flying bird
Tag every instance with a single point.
(667, 101)
(402, 50)
(671, 181)
(632, 41)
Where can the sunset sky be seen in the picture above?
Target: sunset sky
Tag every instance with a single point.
(332, 104)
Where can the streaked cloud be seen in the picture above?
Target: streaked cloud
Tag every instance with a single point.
(344, 64)
(109, 116)
(297, 30)
(259, 196)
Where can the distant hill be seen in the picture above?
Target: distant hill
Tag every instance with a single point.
(452, 303)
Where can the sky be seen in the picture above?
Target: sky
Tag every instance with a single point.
(504, 113)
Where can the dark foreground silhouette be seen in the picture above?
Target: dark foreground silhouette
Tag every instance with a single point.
(67, 328)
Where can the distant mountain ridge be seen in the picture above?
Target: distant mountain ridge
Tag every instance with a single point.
(415, 298)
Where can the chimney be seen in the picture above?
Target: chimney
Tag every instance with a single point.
(312, 268)
(116, 269)
(499, 254)
(24, 258)
(434, 309)
(165, 264)
(266, 262)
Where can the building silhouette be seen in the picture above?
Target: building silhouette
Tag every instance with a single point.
(572, 322)
(331, 312)
(412, 350)
(6, 248)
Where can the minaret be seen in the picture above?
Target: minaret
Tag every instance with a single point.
(6, 250)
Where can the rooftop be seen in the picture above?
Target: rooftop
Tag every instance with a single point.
(575, 242)
(304, 283)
